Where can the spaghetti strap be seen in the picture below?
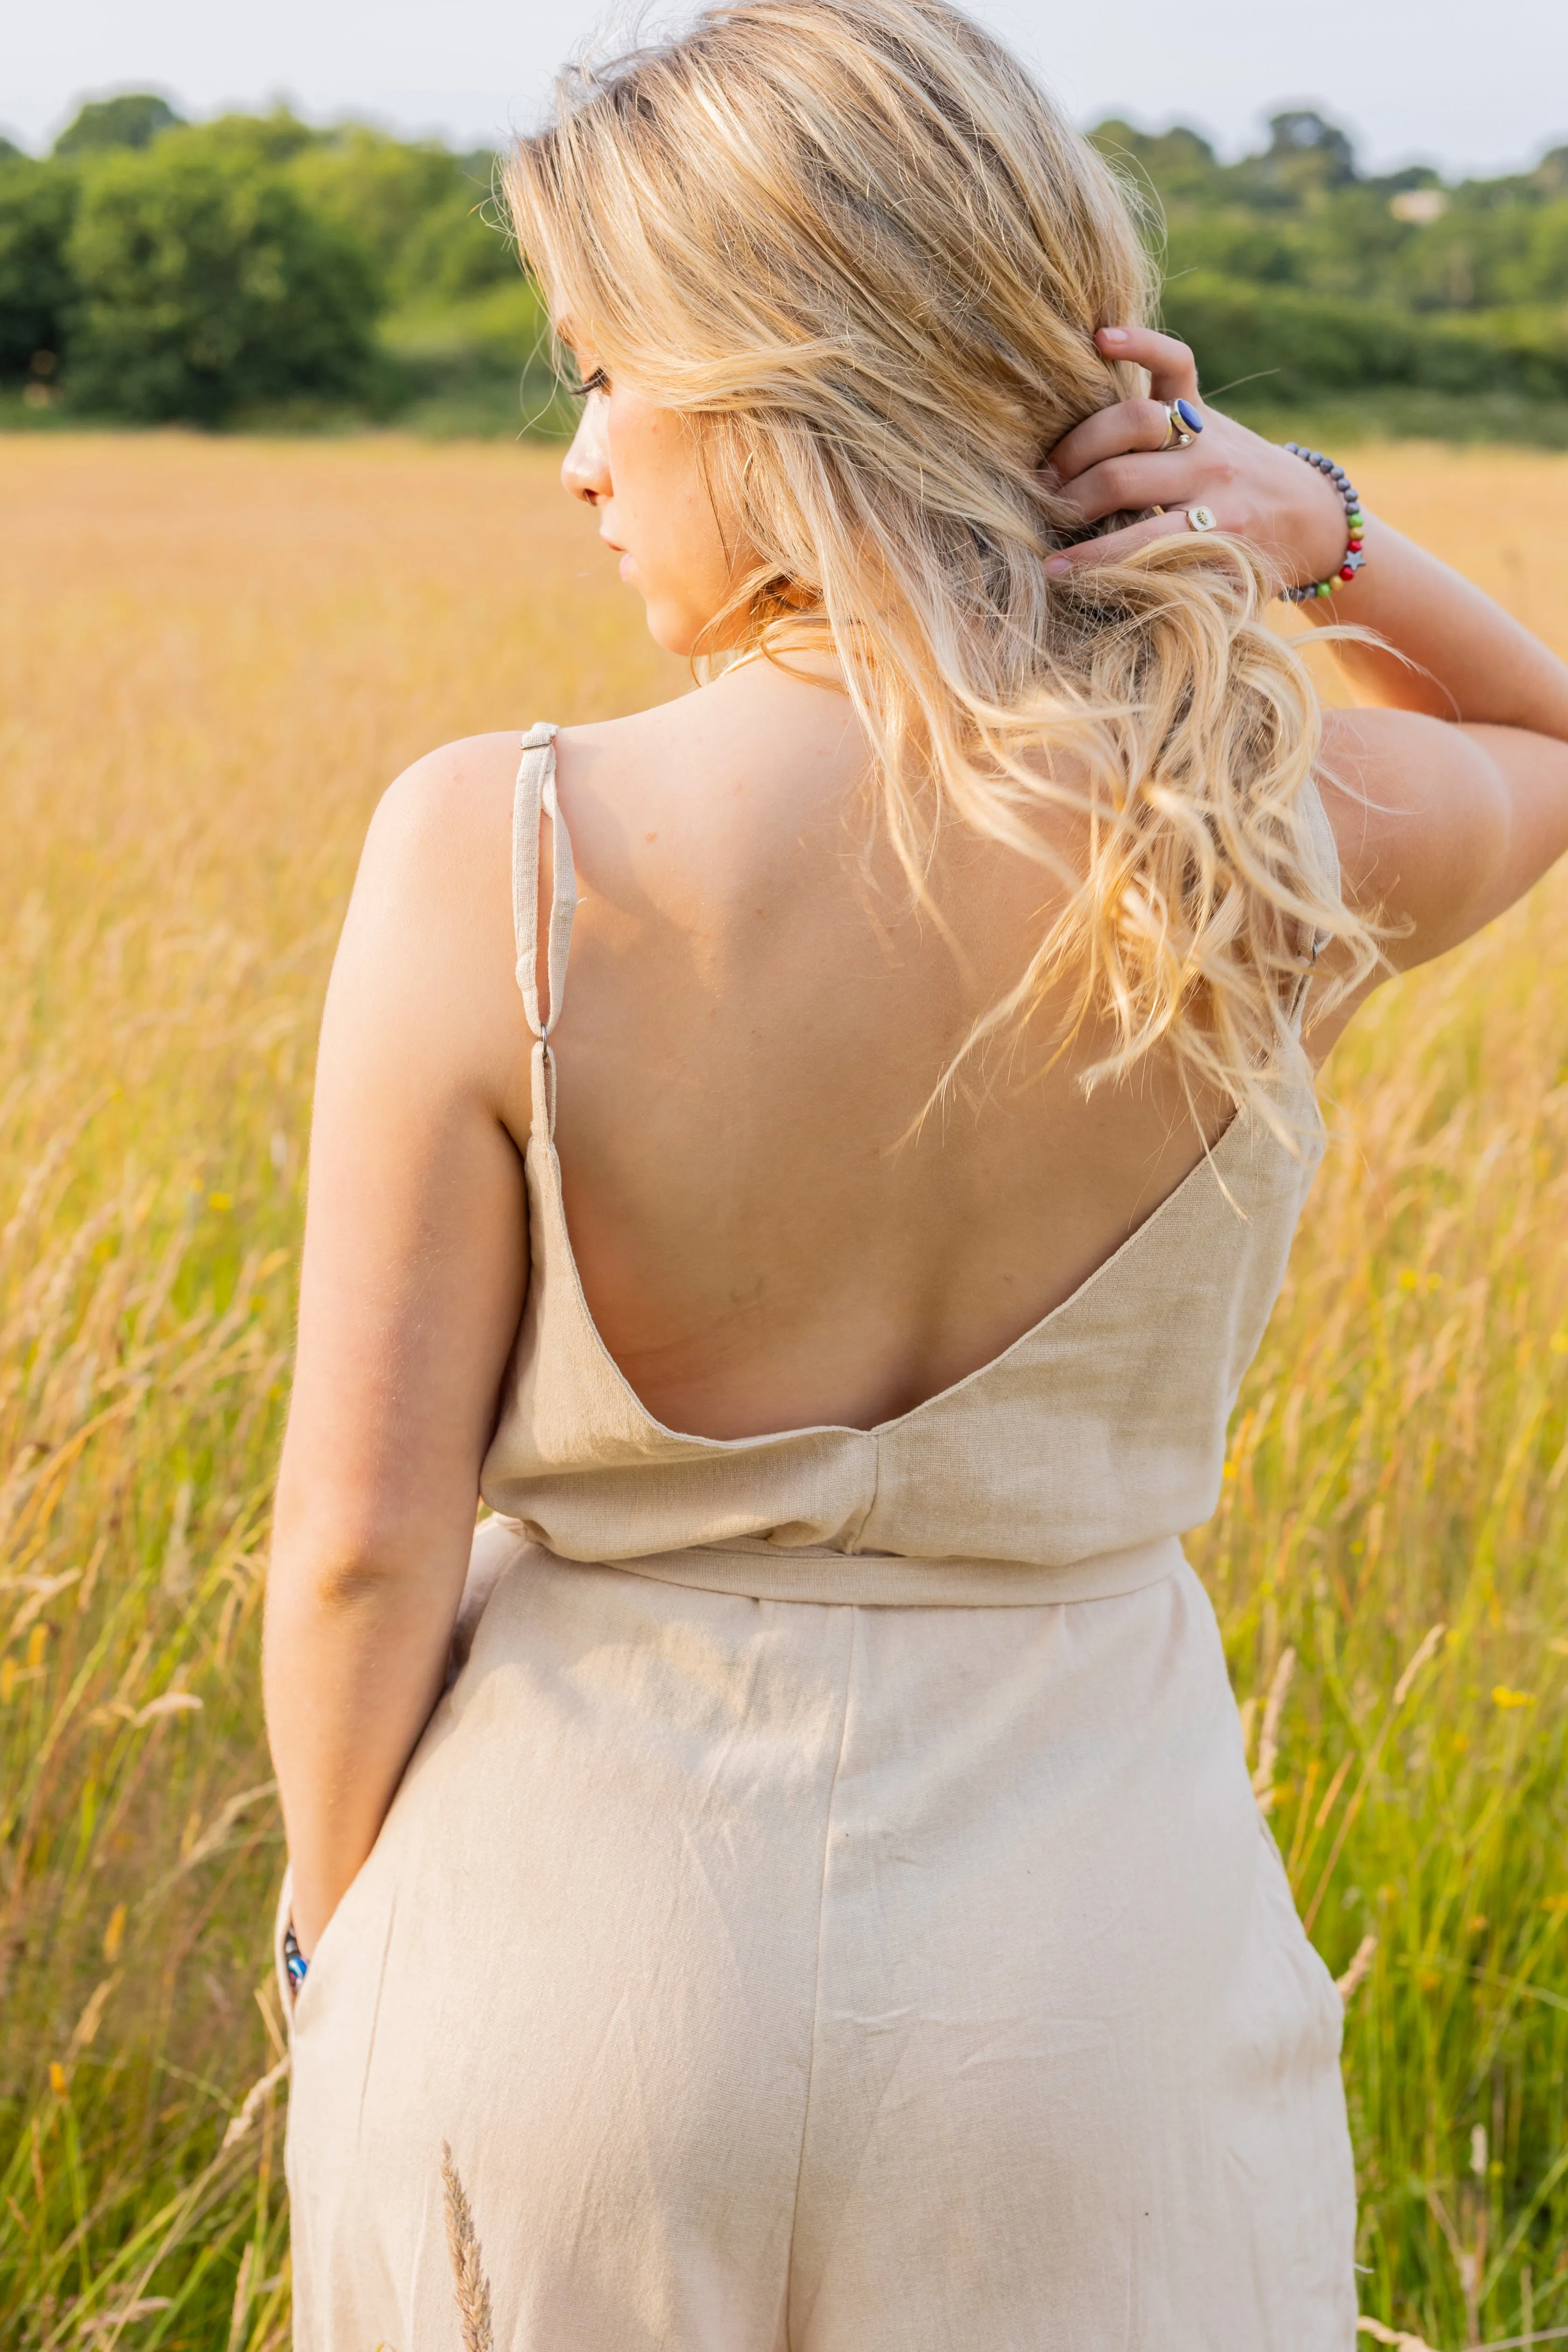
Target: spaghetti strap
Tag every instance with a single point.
(534, 799)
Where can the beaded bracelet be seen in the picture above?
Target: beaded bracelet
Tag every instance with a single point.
(294, 1960)
(1354, 554)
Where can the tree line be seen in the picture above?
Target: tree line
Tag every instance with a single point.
(154, 271)
(1296, 274)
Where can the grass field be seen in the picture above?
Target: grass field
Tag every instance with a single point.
(212, 656)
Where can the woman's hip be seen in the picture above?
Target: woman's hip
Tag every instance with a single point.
(735, 1919)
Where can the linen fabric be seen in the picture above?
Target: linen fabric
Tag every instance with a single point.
(828, 1911)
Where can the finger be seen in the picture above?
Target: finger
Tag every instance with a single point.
(1176, 477)
(1173, 371)
(1114, 547)
(1130, 425)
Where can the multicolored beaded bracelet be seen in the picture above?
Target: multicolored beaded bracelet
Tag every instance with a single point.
(1354, 554)
(294, 1960)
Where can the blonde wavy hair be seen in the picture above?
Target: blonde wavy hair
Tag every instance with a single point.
(858, 243)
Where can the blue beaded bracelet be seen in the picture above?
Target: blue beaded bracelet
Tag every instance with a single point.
(1355, 553)
(294, 1960)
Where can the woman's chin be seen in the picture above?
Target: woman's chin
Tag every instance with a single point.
(681, 623)
(673, 629)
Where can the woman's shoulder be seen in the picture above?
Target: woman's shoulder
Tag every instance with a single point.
(461, 793)
(423, 975)
(440, 837)
(1420, 808)
(709, 792)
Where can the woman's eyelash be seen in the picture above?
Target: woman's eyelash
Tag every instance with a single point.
(597, 382)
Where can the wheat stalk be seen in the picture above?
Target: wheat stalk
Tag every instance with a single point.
(240, 2122)
(470, 2285)
(1269, 1740)
(1354, 1975)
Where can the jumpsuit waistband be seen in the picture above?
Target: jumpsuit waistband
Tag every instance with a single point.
(761, 1571)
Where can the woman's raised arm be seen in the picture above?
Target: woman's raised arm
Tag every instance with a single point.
(1451, 798)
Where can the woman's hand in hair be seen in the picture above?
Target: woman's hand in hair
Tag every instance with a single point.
(1450, 800)
(1117, 462)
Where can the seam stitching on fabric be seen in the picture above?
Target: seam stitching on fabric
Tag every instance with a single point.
(375, 2022)
(817, 1983)
(857, 1533)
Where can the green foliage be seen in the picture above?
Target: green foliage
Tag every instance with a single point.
(464, 329)
(1301, 216)
(37, 204)
(481, 365)
(1306, 155)
(255, 141)
(203, 273)
(1296, 346)
(1294, 273)
(206, 283)
(426, 215)
(132, 119)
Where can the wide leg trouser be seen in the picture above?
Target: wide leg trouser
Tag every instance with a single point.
(786, 1977)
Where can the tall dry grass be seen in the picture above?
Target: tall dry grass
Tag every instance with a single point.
(211, 656)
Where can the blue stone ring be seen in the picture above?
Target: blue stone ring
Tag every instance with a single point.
(1183, 425)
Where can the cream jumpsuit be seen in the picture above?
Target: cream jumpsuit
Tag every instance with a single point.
(828, 1911)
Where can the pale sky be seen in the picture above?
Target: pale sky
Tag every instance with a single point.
(1438, 80)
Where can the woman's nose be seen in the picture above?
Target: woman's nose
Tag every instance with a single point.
(585, 469)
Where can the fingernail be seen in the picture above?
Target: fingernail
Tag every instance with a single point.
(1057, 567)
(1113, 334)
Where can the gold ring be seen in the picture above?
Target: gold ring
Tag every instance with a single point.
(1202, 519)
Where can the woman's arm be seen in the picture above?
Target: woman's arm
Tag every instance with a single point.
(1448, 650)
(415, 1260)
(1451, 799)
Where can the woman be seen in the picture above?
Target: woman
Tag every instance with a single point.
(827, 1908)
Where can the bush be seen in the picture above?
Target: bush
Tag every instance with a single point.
(37, 204)
(481, 365)
(207, 285)
(423, 212)
(1286, 345)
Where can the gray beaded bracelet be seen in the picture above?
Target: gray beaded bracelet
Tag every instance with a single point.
(1354, 554)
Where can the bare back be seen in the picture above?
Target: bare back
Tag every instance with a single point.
(770, 1233)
